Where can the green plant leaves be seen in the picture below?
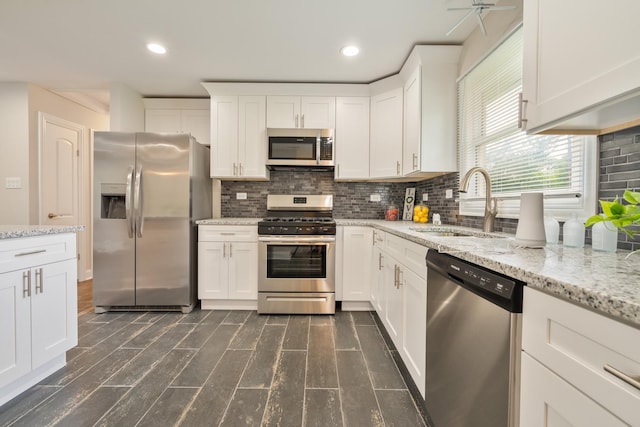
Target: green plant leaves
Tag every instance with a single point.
(621, 216)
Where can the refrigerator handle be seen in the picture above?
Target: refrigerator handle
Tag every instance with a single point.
(138, 202)
(128, 202)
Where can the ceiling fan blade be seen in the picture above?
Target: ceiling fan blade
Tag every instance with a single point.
(460, 8)
(500, 8)
(481, 23)
(466, 15)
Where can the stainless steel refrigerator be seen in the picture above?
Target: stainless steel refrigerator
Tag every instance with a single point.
(148, 191)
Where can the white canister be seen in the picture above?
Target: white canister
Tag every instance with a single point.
(530, 232)
(552, 230)
(604, 237)
(573, 233)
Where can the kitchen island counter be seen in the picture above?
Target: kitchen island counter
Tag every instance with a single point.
(19, 231)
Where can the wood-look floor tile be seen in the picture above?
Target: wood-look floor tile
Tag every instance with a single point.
(322, 320)
(25, 402)
(196, 316)
(132, 407)
(285, 404)
(345, 332)
(92, 408)
(169, 407)
(297, 334)
(249, 333)
(237, 317)
(398, 408)
(383, 370)
(277, 319)
(157, 328)
(362, 318)
(203, 331)
(149, 357)
(359, 405)
(322, 408)
(211, 402)
(321, 358)
(246, 408)
(262, 366)
(61, 403)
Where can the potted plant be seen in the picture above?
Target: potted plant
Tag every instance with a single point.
(622, 216)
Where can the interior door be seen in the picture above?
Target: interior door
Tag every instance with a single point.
(162, 219)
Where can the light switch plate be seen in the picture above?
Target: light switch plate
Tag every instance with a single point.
(375, 198)
(12, 182)
(448, 193)
(425, 197)
(241, 196)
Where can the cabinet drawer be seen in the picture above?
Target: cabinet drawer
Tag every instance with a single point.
(27, 252)
(227, 233)
(411, 254)
(577, 344)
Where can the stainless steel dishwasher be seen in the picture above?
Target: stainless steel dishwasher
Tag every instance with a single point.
(473, 344)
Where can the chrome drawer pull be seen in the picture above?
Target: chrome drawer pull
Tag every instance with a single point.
(633, 381)
(26, 284)
(30, 253)
(39, 281)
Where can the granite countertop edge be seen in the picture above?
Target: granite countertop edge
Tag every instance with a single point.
(607, 283)
(19, 231)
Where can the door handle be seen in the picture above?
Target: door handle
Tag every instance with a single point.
(522, 104)
(128, 205)
(380, 261)
(138, 201)
(235, 169)
(302, 121)
(224, 250)
(296, 120)
(633, 381)
(240, 168)
(52, 215)
(398, 167)
(39, 281)
(230, 250)
(26, 284)
(415, 161)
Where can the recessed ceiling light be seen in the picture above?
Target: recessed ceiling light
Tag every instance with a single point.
(157, 48)
(350, 50)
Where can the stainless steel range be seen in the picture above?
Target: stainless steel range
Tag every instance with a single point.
(296, 249)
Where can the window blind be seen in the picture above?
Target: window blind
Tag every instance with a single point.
(489, 137)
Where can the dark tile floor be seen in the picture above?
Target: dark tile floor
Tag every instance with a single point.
(221, 368)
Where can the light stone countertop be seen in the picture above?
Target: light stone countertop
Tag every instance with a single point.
(608, 283)
(18, 231)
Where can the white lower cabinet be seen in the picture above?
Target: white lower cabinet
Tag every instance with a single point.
(356, 263)
(578, 367)
(228, 266)
(38, 309)
(399, 296)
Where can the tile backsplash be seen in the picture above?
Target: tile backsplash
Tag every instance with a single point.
(619, 169)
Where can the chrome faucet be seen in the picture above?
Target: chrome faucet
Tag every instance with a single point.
(490, 204)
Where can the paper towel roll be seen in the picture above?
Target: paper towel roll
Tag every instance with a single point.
(530, 231)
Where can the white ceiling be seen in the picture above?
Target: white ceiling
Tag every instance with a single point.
(83, 45)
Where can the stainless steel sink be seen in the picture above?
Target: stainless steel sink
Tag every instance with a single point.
(453, 232)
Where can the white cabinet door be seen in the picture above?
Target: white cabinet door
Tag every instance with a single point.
(283, 111)
(243, 270)
(15, 327)
(563, 79)
(318, 112)
(54, 304)
(213, 271)
(252, 137)
(412, 124)
(548, 400)
(163, 121)
(224, 136)
(393, 300)
(356, 263)
(352, 137)
(377, 281)
(310, 112)
(414, 311)
(198, 124)
(386, 135)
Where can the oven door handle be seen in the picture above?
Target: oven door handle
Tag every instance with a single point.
(297, 240)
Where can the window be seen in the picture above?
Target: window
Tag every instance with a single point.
(561, 166)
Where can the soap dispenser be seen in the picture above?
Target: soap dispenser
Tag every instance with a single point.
(604, 237)
(573, 233)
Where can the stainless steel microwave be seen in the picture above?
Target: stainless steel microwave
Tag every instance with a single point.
(315, 150)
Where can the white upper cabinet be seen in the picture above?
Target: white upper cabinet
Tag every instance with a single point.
(352, 137)
(430, 112)
(238, 137)
(579, 72)
(310, 112)
(386, 135)
(165, 115)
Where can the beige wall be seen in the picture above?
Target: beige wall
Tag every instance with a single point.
(14, 152)
(126, 109)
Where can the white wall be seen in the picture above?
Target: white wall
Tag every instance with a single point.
(14, 152)
(498, 25)
(126, 109)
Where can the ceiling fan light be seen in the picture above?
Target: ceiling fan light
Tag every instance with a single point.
(350, 50)
(157, 48)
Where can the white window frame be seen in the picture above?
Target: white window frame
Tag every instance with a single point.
(561, 205)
